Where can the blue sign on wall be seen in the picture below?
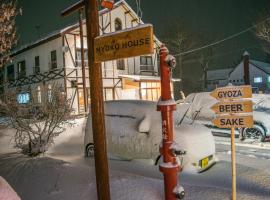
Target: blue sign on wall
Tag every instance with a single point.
(23, 98)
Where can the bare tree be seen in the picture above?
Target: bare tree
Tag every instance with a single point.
(8, 39)
(37, 119)
(204, 60)
(178, 41)
(263, 30)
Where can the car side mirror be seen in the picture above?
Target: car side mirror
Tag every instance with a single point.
(145, 124)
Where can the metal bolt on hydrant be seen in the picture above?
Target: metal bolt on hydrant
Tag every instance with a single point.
(170, 167)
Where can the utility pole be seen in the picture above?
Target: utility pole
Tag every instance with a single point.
(83, 63)
(97, 105)
(96, 92)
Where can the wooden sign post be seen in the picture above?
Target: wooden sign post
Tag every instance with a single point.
(231, 115)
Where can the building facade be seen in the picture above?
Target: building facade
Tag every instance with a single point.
(247, 72)
(57, 59)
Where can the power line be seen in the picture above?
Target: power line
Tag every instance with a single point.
(222, 40)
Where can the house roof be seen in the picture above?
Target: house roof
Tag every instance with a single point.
(218, 74)
(56, 34)
(265, 67)
(222, 74)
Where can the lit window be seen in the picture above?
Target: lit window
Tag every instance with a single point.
(23, 98)
(268, 79)
(258, 79)
(38, 94)
(49, 93)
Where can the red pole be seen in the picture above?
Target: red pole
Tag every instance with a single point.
(170, 166)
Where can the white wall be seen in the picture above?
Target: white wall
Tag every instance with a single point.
(44, 53)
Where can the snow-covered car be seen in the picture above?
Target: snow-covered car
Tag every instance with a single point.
(200, 111)
(133, 130)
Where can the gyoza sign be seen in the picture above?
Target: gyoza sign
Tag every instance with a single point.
(123, 44)
(232, 92)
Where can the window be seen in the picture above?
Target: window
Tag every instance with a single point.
(120, 64)
(38, 94)
(49, 93)
(10, 73)
(268, 79)
(79, 56)
(53, 59)
(117, 24)
(37, 65)
(258, 79)
(21, 69)
(23, 98)
(146, 63)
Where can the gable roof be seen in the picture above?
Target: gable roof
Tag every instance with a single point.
(58, 33)
(265, 67)
(219, 74)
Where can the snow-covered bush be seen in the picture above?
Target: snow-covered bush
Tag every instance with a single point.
(38, 121)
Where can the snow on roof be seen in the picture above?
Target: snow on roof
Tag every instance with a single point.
(140, 78)
(58, 33)
(261, 65)
(218, 74)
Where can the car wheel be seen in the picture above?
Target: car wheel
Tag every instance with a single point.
(89, 151)
(255, 133)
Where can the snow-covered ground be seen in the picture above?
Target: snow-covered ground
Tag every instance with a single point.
(64, 174)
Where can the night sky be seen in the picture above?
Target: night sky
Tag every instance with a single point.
(211, 19)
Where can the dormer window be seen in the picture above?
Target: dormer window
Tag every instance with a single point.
(118, 24)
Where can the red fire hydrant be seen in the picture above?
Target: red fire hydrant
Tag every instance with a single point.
(168, 148)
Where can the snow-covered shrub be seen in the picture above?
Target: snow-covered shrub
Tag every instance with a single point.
(38, 121)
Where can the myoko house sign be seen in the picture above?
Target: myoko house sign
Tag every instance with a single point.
(123, 44)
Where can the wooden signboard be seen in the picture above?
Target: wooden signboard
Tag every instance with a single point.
(233, 107)
(232, 92)
(123, 44)
(227, 117)
(231, 121)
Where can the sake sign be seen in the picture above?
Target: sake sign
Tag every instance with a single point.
(234, 121)
(123, 44)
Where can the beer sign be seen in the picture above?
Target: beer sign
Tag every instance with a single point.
(232, 107)
(123, 44)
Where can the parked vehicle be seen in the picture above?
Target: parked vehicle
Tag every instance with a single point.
(133, 130)
(200, 110)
